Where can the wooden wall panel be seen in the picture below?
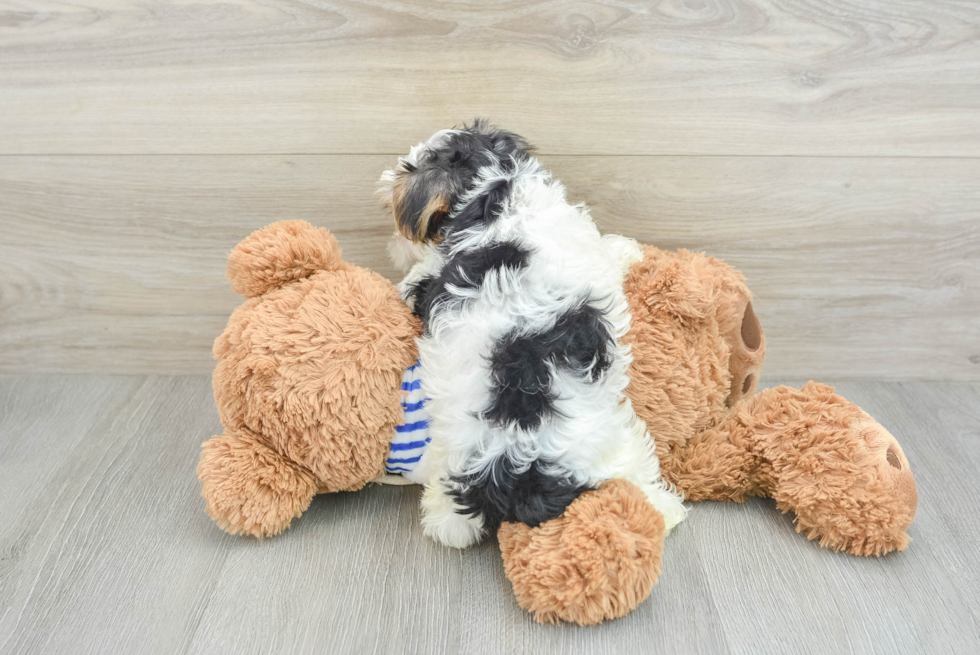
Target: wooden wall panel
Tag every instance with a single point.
(733, 77)
(863, 267)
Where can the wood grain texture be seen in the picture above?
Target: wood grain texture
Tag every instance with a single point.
(737, 77)
(861, 266)
(828, 597)
(108, 549)
(108, 559)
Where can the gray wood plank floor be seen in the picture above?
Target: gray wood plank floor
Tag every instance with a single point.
(105, 547)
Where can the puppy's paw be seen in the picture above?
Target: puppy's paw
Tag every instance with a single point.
(668, 502)
(441, 521)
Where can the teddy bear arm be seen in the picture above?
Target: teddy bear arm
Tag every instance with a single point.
(842, 474)
(719, 463)
(250, 488)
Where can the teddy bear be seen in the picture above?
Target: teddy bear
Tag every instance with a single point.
(698, 350)
(308, 386)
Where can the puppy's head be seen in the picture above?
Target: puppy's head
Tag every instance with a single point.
(423, 188)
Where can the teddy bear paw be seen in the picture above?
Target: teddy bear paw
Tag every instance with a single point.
(597, 561)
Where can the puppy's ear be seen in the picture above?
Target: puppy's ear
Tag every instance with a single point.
(421, 202)
(420, 197)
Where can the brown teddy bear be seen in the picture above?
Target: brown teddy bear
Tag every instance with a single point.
(697, 353)
(308, 388)
(307, 381)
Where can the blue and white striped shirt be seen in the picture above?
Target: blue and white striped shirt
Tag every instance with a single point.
(411, 438)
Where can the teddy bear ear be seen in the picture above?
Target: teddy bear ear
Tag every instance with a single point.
(280, 253)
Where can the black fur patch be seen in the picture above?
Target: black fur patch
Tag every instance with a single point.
(469, 268)
(521, 365)
(420, 291)
(481, 210)
(466, 270)
(501, 494)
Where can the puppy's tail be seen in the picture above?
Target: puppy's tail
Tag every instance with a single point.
(280, 253)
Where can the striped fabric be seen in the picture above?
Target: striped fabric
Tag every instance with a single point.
(411, 438)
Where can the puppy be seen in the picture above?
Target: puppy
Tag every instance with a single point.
(523, 312)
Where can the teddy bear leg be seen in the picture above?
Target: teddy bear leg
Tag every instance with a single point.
(842, 473)
(597, 561)
(250, 488)
(717, 464)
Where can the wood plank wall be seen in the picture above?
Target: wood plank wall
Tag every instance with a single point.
(829, 149)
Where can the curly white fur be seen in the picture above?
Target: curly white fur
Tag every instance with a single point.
(594, 435)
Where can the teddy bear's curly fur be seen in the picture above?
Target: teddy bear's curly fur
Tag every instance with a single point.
(307, 387)
(697, 351)
(307, 381)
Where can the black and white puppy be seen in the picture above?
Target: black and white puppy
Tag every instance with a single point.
(523, 310)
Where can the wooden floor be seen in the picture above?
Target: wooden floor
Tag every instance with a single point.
(105, 548)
